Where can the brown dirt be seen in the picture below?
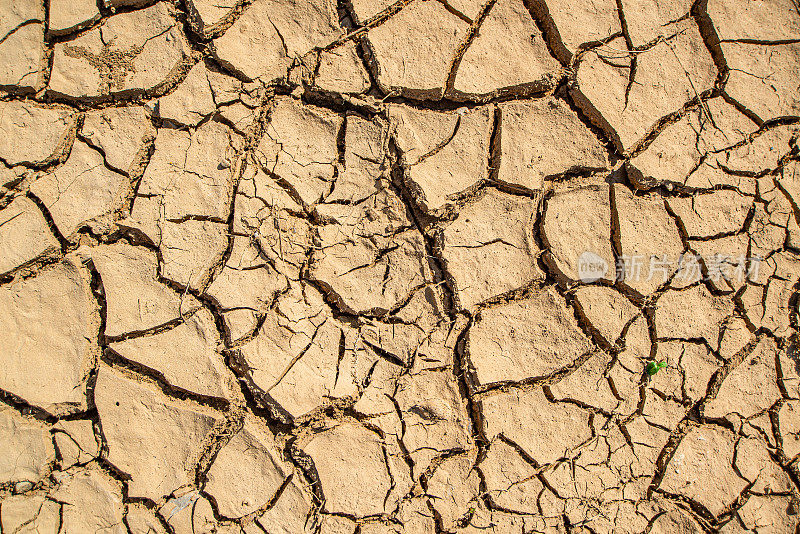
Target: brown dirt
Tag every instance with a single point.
(375, 267)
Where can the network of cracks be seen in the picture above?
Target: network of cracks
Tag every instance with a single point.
(422, 267)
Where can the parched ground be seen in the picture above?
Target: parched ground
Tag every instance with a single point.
(288, 266)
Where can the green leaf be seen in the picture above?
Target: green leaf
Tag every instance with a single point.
(654, 367)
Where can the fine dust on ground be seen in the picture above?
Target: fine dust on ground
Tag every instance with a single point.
(421, 267)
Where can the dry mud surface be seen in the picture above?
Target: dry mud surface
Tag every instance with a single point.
(290, 266)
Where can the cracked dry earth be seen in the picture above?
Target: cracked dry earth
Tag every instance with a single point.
(288, 266)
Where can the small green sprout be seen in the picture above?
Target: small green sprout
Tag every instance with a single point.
(654, 367)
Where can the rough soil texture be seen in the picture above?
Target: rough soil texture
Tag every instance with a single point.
(386, 267)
